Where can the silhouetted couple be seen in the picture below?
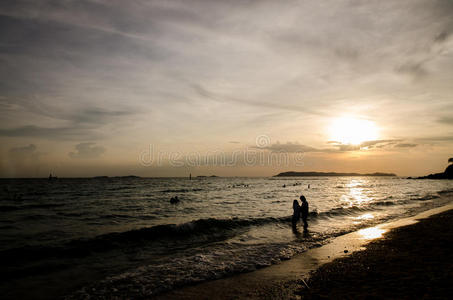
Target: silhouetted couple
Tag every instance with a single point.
(300, 212)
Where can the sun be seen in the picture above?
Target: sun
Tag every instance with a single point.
(352, 131)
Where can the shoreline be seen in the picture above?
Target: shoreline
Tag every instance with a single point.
(286, 280)
(410, 262)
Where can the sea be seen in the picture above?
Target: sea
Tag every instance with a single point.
(93, 238)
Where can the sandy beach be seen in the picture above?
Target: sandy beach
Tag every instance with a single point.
(411, 262)
(401, 259)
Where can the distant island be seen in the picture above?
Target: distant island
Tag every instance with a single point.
(313, 174)
(447, 174)
(106, 177)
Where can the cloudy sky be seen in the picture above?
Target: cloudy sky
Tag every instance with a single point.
(104, 87)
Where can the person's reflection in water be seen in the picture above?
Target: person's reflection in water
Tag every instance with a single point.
(301, 236)
(296, 214)
(297, 232)
(304, 211)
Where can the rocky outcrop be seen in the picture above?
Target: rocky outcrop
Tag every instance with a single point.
(449, 171)
(447, 174)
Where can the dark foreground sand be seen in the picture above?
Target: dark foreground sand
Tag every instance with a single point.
(412, 262)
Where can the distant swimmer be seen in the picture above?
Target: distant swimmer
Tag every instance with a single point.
(174, 200)
(304, 211)
(308, 185)
(296, 213)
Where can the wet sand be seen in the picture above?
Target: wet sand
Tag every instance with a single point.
(412, 262)
(346, 265)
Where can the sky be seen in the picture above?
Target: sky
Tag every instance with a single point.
(231, 88)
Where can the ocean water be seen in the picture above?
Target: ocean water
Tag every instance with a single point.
(107, 237)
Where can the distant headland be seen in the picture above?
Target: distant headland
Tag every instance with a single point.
(447, 174)
(313, 174)
(106, 177)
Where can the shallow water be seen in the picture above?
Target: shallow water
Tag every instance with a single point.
(82, 237)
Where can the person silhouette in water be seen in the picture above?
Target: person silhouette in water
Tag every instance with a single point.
(296, 213)
(304, 211)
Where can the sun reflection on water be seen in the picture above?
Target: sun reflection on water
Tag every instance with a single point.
(353, 183)
(372, 233)
(365, 217)
(356, 195)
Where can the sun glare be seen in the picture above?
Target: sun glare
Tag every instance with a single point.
(352, 131)
(372, 233)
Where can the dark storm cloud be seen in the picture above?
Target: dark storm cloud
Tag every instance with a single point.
(406, 145)
(334, 146)
(35, 53)
(45, 41)
(415, 69)
(133, 20)
(407, 46)
(52, 133)
(376, 143)
(44, 38)
(435, 139)
(84, 123)
(87, 150)
(373, 144)
(25, 152)
(440, 12)
(89, 114)
(442, 37)
(446, 120)
(290, 148)
(97, 115)
(443, 10)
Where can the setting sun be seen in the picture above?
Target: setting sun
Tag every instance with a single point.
(352, 131)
